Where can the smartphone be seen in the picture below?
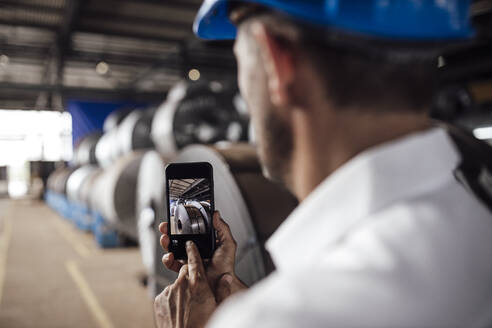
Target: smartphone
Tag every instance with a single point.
(190, 199)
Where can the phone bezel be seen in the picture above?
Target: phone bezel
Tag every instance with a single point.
(206, 242)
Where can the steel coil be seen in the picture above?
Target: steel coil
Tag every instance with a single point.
(150, 211)
(199, 113)
(125, 131)
(107, 150)
(51, 182)
(115, 194)
(141, 137)
(86, 188)
(134, 131)
(85, 152)
(76, 180)
(115, 118)
(60, 181)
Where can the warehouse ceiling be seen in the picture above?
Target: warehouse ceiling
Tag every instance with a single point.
(53, 50)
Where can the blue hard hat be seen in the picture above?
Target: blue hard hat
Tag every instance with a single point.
(406, 20)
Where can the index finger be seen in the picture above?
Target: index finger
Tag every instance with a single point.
(195, 264)
(163, 227)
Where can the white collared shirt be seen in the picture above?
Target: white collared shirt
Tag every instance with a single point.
(390, 239)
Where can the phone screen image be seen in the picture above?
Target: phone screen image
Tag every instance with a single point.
(190, 210)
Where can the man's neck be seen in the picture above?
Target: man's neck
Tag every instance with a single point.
(323, 145)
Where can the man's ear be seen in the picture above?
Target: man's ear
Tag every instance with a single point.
(279, 64)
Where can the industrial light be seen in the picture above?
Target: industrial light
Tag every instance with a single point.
(102, 68)
(194, 74)
(441, 62)
(484, 133)
(4, 60)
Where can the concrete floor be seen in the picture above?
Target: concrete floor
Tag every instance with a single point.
(52, 275)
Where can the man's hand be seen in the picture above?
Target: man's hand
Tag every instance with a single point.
(189, 301)
(220, 269)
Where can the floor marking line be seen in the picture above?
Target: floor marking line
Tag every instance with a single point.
(4, 248)
(69, 236)
(88, 295)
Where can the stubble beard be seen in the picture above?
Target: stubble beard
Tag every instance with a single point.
(275, 146)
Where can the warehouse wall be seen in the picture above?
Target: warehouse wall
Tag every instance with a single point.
(88, 116)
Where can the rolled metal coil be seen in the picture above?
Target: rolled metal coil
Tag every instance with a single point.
(85, 152)
(51, 182)
(190, 218)
(115, 193)
(107, 149)
(59, 184)
(151, 210)
(199, 113)
(76, 180)
(125, 131)
(141, 135)
(115, 118)
(86, 188)
(134, 131)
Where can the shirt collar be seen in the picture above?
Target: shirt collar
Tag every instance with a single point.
(367, 183)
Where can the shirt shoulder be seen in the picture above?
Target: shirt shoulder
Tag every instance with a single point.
(425, 257)
(403, 267)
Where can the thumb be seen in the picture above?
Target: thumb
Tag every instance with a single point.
(224, 287)
(223, 230)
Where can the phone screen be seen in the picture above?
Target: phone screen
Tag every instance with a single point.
(190, 200)
(190, 209)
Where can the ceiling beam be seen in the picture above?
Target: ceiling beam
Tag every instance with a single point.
(178, 4)
(168, 22)
(25, 51)
(86, 93)
(13, 4)
(128, 34)
(21, 23)
(171, 61)
(37, 52)
(55, 63)
(70, 18)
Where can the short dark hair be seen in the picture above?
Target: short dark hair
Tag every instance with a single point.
(353, 78)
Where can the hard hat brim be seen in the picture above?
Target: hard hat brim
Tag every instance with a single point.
(397, 20)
